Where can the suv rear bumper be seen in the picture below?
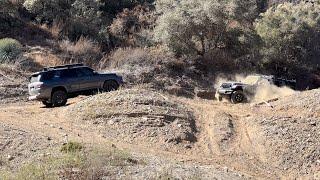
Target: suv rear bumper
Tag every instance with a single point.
(33, 98)
(37, 97)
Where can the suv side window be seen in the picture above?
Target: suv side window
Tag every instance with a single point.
(86, 71)
(69, 73)
(80, 73)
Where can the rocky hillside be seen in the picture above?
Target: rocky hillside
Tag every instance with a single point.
(289, 132)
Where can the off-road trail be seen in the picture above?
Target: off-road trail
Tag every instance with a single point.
(54, 124)
(234, 139)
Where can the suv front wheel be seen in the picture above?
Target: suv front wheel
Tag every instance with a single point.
(237, 97)
(59, 98)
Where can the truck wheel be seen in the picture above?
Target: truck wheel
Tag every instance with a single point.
(59, 98)
(47, 104)
(110, 86)
(237, 97)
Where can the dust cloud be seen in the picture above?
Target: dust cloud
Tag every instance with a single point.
(267, 92)
(264, 90)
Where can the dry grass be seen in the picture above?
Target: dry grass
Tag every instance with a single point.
(100, 162)
(82, 46)
(55, 29)
(44, 57)
(136, 63)
(83, 51)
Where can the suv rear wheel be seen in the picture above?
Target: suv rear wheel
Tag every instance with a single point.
(237, 97)
(59, 98)
(110, 86)
(47, 104)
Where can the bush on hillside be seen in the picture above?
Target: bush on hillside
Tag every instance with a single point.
(10, 50)
(45, 11)
(190, 27)
(290, 33)
(135, 64)
(129, 25)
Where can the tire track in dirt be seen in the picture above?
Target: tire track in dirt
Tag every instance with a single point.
(240, 151)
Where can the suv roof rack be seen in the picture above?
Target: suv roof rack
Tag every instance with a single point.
(63, 66)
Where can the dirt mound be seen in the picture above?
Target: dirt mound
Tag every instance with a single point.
(303, 102)
(290, 133)
(136, 115)
(222, 130)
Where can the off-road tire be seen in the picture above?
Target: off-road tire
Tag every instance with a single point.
(110, 86)
(238, 97)
(47, 104)
(59, 98)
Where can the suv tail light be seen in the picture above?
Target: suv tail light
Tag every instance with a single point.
(39, 86)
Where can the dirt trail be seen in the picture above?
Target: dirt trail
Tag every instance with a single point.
(225, 136)
(34, 118)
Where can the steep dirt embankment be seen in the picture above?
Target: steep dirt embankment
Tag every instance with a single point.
(289, 133)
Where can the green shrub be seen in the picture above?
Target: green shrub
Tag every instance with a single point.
(71, 147)
(10, 49)
(190, 27)
(48, 10)
(290, 34)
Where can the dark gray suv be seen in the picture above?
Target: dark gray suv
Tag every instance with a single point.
(54, 85)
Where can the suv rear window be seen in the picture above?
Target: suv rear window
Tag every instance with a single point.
(35, 78)
(47, 76)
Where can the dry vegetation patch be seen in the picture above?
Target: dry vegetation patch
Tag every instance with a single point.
(82, 51)
(138, 114)
(13, 83)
